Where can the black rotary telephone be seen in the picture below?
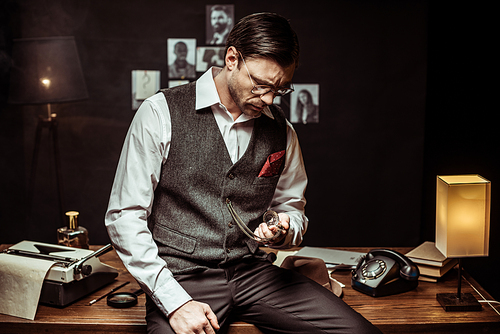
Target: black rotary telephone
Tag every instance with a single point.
(383, 272)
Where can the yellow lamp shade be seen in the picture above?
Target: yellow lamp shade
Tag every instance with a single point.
(463, 215)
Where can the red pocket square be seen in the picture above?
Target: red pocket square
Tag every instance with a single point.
(273, 164)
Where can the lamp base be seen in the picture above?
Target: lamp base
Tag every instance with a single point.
(451, 303)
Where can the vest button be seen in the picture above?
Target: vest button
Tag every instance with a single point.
(231, 176)
(228, 250)
(230, 224)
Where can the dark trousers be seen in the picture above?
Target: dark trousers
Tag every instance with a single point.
(274, 299)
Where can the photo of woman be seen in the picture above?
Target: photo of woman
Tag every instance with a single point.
(305, 107)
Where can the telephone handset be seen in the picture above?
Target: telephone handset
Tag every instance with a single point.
(383, 272)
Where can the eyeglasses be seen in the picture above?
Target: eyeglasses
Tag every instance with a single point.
(264, 89)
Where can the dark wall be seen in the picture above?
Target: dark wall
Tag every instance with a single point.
(365, 159)
(461, 128)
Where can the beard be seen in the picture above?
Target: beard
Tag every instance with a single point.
(249, 106)
(220, 27)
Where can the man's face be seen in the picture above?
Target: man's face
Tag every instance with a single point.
(219, 20)
(180, 51)
(263, 72)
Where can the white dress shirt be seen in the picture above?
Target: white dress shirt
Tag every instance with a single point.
(144, 151)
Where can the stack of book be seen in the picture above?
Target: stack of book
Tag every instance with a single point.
(430, 261)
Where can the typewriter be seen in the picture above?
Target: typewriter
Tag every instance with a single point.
(75, 273)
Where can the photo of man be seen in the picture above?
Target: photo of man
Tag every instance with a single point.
(181, 58)
(219, 20)
(208, 56)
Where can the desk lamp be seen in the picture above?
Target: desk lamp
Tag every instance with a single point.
(462, 228)
(46, 71)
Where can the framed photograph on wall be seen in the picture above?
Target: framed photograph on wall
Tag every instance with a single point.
(181, 53)
(208, 56)
(145, 83)
(219, 22)
(305, 104)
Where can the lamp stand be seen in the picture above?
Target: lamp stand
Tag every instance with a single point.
(51, 123)
(458, 302)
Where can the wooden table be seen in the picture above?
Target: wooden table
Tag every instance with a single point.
(416, 311)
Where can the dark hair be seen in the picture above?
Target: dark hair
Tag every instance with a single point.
(220, 8)
(265, 35)
(309, 98)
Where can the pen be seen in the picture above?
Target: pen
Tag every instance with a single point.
(112, 290)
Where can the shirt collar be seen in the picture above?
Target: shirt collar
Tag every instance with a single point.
(206, 92)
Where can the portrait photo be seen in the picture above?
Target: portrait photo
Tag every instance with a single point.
(181, 53)
(219, 22)
(305, 104)
(208, 56)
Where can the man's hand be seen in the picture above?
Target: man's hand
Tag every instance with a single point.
(194, 317)
(264, 231)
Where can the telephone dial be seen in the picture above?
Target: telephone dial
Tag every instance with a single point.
(383, 272)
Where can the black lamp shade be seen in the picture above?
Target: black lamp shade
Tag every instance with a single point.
(46, 70)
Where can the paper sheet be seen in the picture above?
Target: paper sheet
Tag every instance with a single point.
(21, 280)
(281, 256)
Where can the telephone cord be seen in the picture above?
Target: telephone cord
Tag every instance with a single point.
(484, 299)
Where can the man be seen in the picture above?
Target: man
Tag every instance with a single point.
(221, 23)
(180, 68)
(189, 152)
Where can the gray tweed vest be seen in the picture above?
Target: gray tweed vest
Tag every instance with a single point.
(190, 221)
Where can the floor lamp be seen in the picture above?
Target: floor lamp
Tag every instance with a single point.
(46, 71)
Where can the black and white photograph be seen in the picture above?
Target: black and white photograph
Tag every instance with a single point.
(181, 58)
(219, 22)
(145, 83)
(305, 104)
(208, 56)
